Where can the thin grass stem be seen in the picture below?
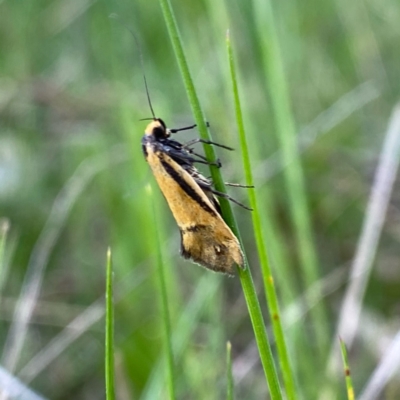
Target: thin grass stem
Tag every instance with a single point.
(109, 356)
(269, 286)
(229, 375)
(164, 303)
(245, 275)
(293, 173)
(347, 373)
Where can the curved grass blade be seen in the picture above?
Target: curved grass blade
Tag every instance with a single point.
(164, 302)
(265, 21)
(272, 300)
(109, 361)
(245, 275)
(229, 383)
(229, 375)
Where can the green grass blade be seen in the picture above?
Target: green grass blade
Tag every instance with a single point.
(4, 227)
(245, 275)
(264, 348)
(184, 330)
(347, 373)
(109, 361)
(293, 173)
(272, 300)
(229, 383)
(164, 303)
(190, 90)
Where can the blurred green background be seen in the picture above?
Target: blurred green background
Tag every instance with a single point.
(73, 182)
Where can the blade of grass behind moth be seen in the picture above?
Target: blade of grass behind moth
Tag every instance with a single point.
(269, 287)
(163, 300)
(229, 375)
(294, 177)
(206, 289)
(4, 227)
(349, 382)
(245, 275)
(109, 360)
(190, 90)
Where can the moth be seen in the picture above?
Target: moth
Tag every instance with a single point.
(205, 237)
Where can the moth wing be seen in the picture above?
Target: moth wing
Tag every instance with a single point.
(218, 250)
(205, 236)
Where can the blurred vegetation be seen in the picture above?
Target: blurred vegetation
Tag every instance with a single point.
(73, 182)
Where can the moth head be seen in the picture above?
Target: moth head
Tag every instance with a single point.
(157, 129)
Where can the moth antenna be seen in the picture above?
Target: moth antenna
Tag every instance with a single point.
(116, 16)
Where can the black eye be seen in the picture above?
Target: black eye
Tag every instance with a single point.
(159, 132)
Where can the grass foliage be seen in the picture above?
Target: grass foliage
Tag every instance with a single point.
(314, 86)
(109, 343)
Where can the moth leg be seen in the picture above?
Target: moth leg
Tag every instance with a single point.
(180, 151)
(185, 128)
(217, 162)
(221, 194)
(199, 140)
(226, 196)
(201, 160)
(185, 156)
(239, 185)
(235, 184)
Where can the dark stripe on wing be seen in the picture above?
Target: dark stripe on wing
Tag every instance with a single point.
(186, 187)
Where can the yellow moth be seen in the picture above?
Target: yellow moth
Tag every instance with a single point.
(205, 237)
